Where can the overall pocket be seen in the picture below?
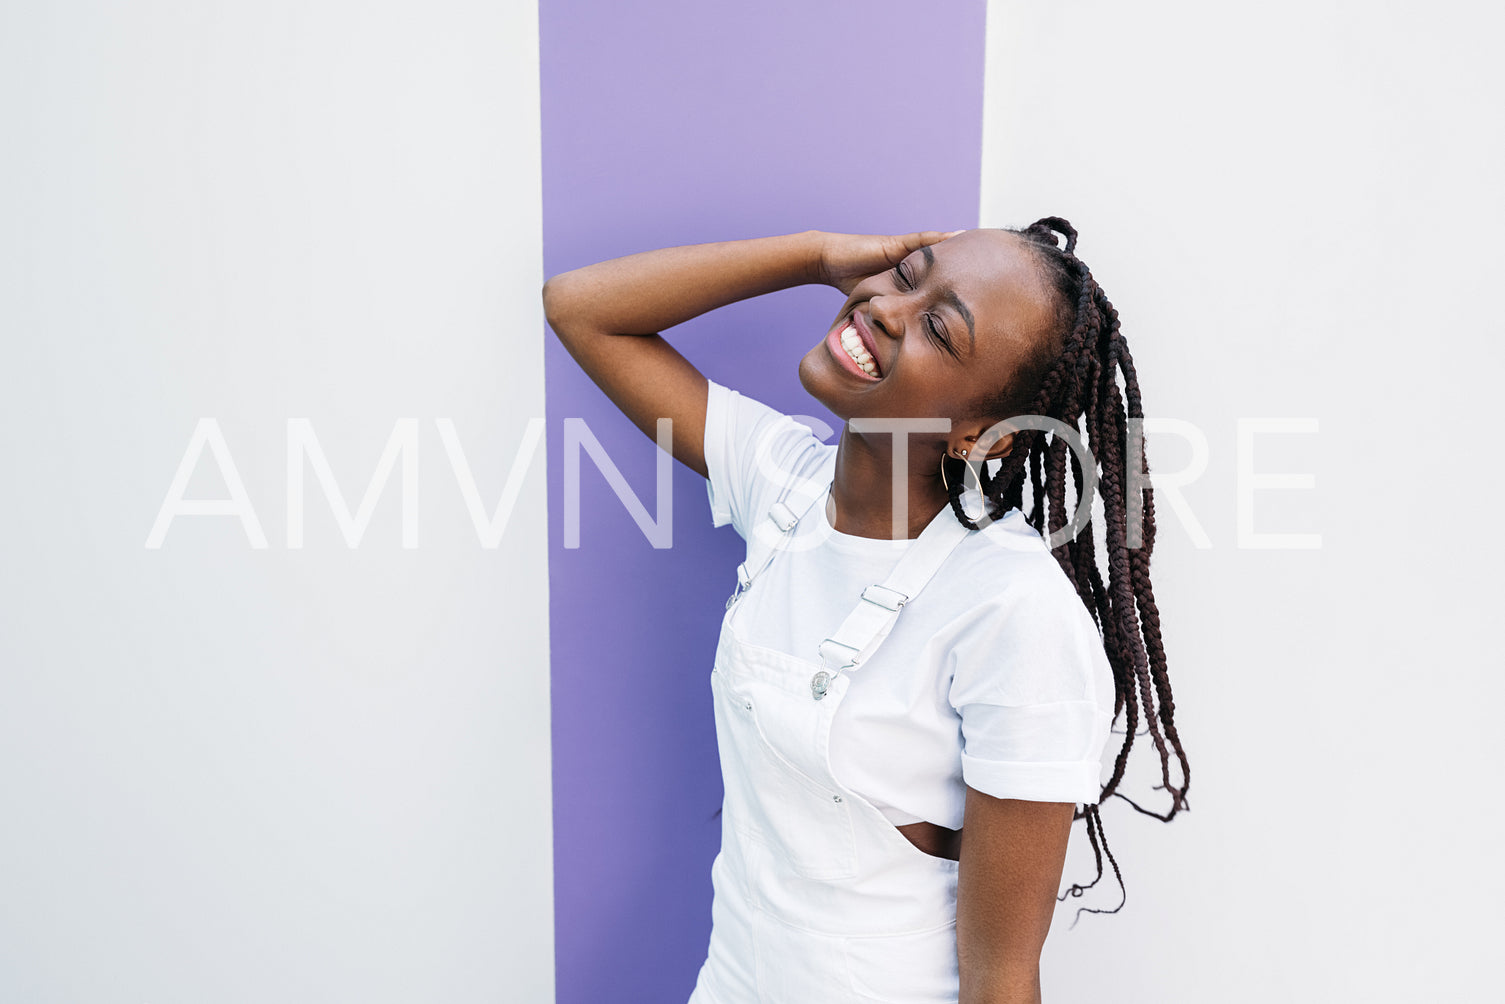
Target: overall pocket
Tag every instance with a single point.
(806, 825)
(916, 968)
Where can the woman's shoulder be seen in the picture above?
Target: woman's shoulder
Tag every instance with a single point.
(1016, 631)
(1006, 567)
(1009, 539)
(755, 427)
(756, 453)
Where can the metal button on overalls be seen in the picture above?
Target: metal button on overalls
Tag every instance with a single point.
(818, 898)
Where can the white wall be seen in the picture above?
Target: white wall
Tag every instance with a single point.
(1296, 208)
(238, 774)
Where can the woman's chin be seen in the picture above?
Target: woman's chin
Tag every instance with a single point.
(810, 376)
(831, 387)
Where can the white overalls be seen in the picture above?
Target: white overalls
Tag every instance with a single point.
(818, 898)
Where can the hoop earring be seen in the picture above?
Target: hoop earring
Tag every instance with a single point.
(943, 470)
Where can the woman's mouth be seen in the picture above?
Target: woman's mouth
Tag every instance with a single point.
(849, 348)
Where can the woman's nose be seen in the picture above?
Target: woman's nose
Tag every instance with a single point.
(887, 311)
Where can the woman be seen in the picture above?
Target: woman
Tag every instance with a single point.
(904, 658)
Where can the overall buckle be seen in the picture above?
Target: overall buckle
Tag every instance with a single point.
(832, 649)
(883, 596)
(744, 579)
(783, 517)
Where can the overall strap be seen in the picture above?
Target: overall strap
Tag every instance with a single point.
(783, 517)
(871, 620)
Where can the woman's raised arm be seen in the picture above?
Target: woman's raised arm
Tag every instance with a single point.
(639, 295)
(592, 308)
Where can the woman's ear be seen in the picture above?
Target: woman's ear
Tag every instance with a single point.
(1000, 448)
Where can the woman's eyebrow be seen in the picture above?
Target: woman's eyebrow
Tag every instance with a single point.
(949, 295)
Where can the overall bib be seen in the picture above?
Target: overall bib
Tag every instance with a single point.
(818, 898)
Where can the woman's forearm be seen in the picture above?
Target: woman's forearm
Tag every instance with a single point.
(647, 292)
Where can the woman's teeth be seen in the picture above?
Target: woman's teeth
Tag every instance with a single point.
(858, 351)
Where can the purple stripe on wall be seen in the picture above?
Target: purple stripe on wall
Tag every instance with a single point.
(675, 123)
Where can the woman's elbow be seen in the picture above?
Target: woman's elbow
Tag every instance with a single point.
(560, 304)
(552, 297)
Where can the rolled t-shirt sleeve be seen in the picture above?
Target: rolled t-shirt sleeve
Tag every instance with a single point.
(751, 451)
(1033, 688)
(718, 486)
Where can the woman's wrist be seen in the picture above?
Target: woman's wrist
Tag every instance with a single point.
(815, 263)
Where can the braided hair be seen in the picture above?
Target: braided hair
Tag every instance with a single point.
(1072, 376)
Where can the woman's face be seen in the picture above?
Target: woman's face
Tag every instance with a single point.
(946, 330)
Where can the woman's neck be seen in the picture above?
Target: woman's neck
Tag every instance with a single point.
(863, 495)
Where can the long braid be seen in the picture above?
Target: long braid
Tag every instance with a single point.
(1074, 376)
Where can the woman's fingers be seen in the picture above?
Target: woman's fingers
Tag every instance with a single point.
(847, 259)
(915, 241)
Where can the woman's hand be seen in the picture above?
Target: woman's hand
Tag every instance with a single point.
(847, 259)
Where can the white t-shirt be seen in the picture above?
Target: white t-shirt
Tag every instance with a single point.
(993, 677)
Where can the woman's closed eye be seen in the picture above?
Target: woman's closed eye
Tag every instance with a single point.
(933, 328)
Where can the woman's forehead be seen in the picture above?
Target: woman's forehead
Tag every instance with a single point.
(987, 254)
(996, 275)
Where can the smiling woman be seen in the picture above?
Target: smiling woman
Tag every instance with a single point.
(893, 671)
(918, 322)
